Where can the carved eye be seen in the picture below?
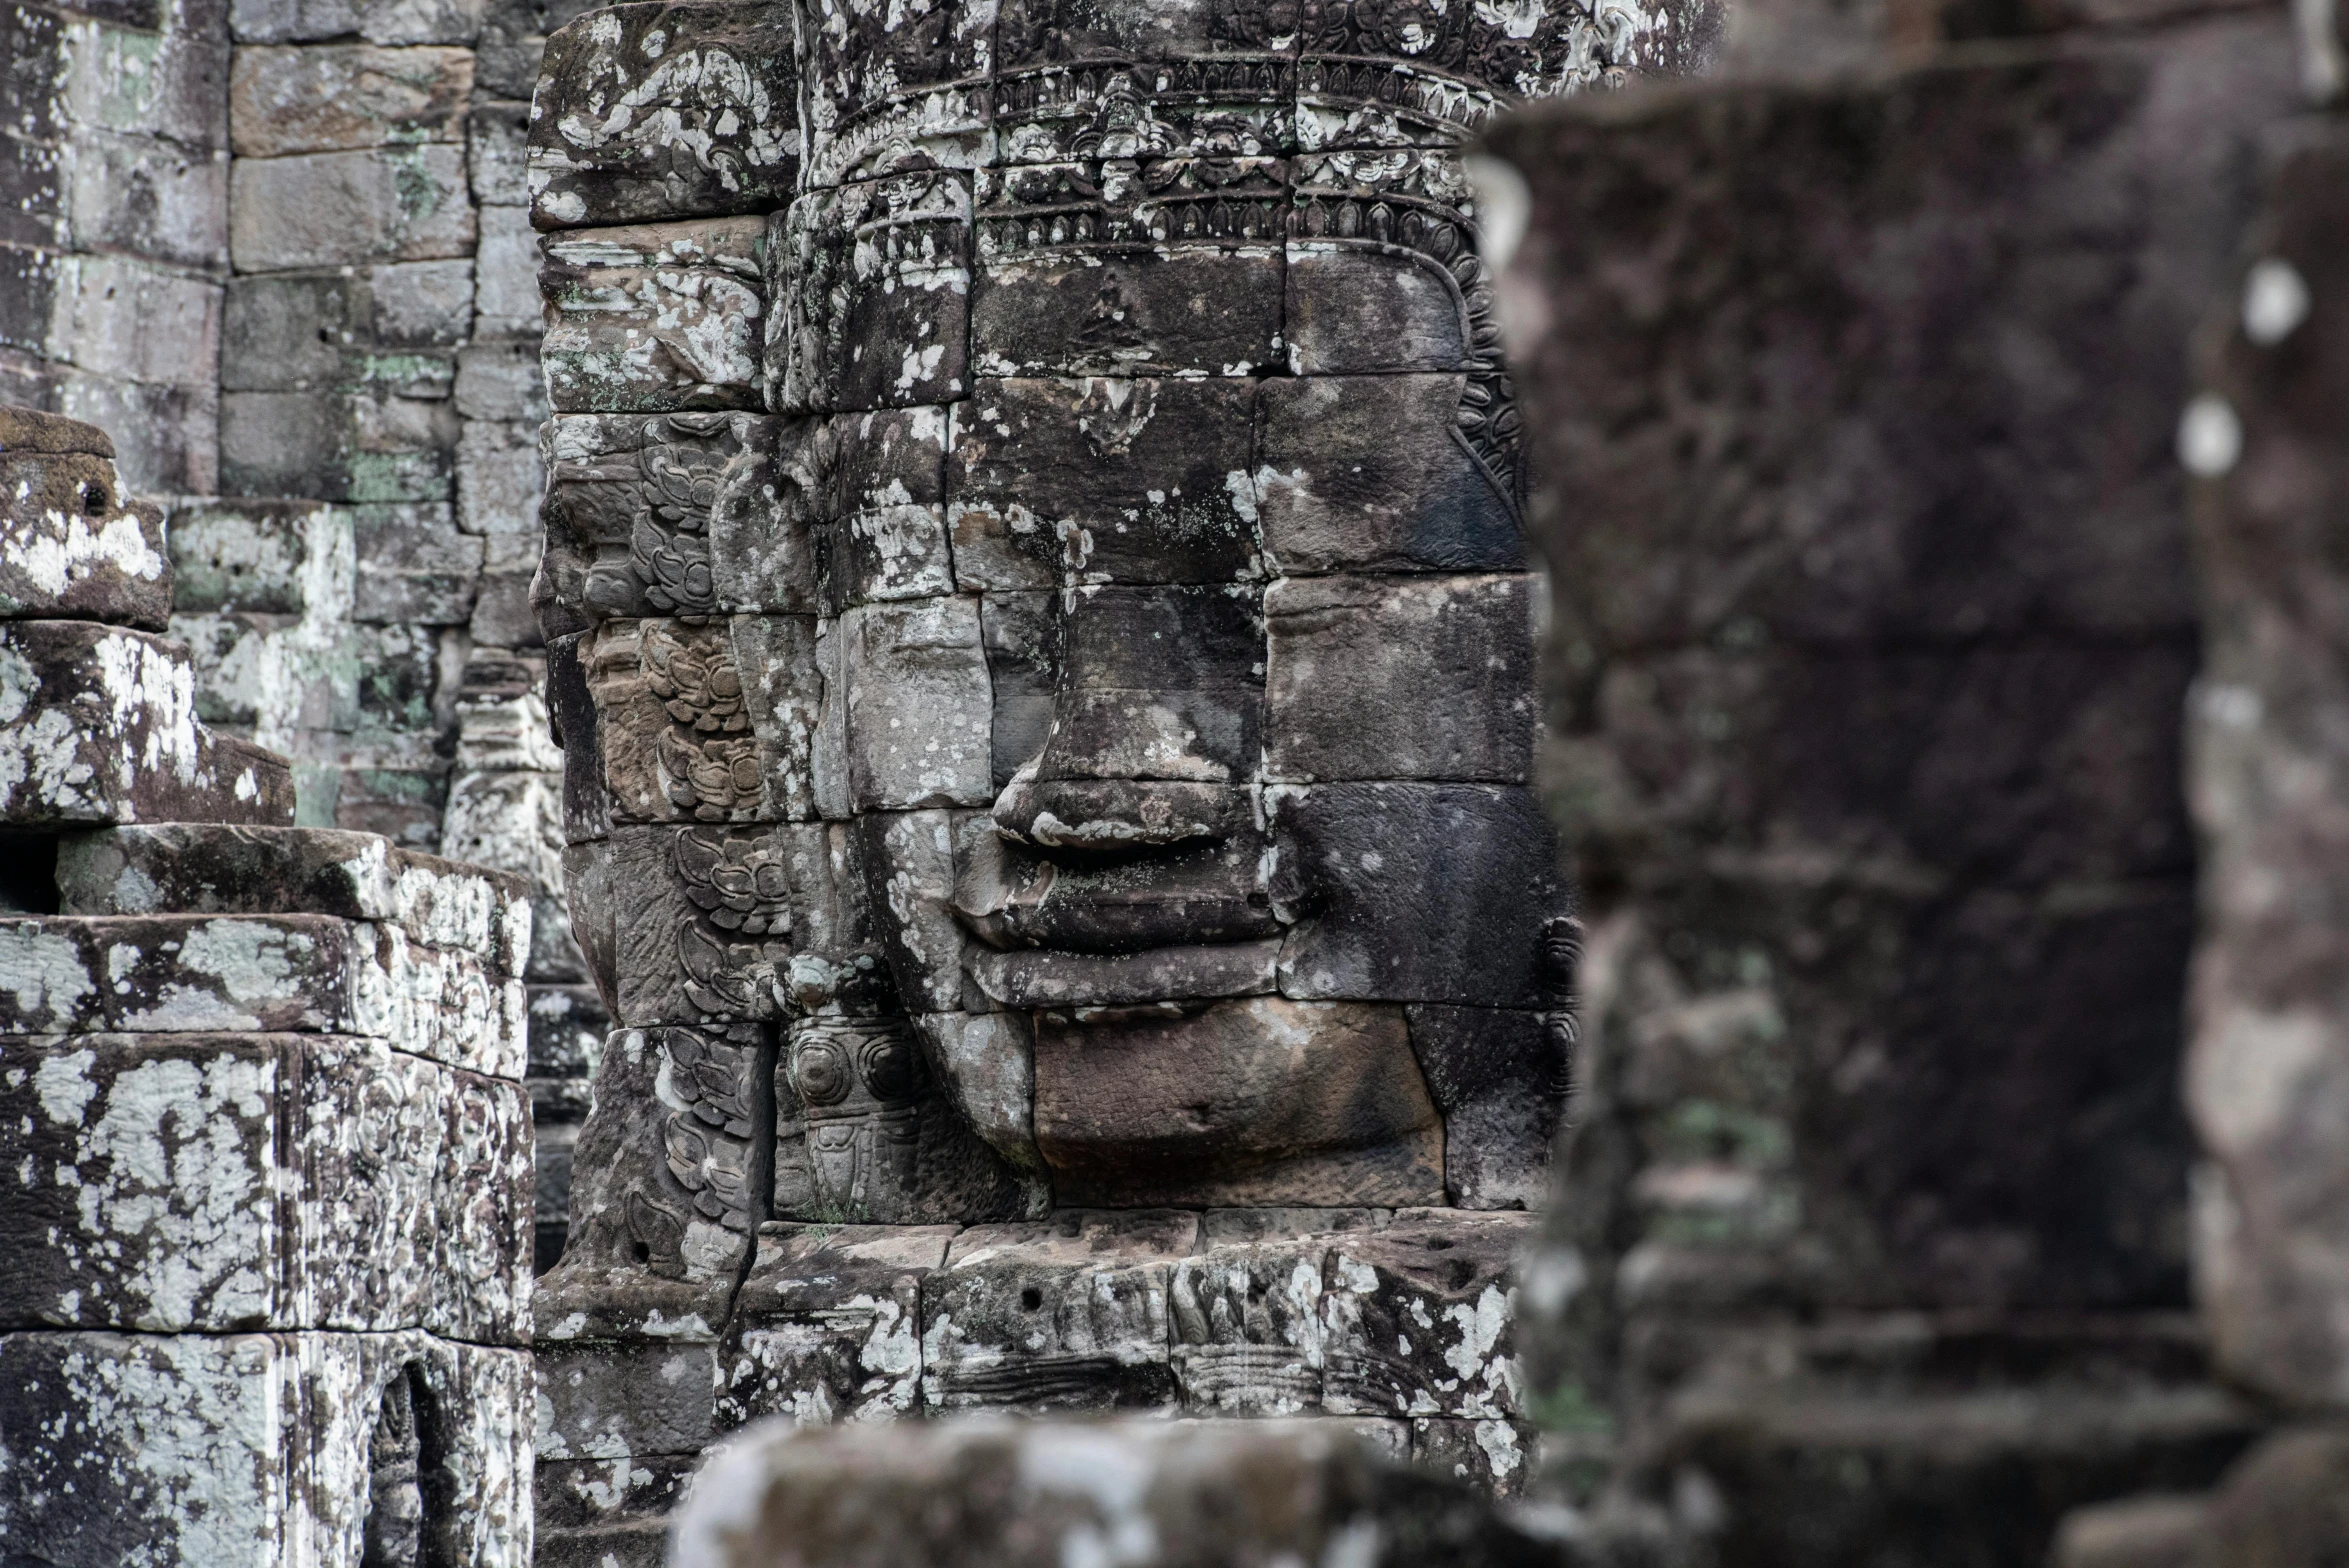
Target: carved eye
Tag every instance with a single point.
(819, 1071)
(890, 1069)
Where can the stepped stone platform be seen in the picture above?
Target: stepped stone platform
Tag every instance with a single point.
(267, 1194)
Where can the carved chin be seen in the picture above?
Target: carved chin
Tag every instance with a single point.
(1244, 1101)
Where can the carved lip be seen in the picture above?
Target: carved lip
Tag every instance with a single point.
(1044, 977)
(1197, 897)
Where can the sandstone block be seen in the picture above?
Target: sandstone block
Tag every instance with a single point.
(505, 269)
(1042, 476)
(1426, 892)
(1300, 1104)
(501, 381)
(345, 97)
(380, 22)
(915, 683)
(1067, 1313)
(100, 727)
(244, 555)
(365, 444)
(192, 869)
(1179, 278)
(72, 545)
(483, 1188)
(499, 479)
(663, 111)
(385, 328)
(827, 1326)
(646, 319)
(414, 568)
(496, 152)
(882, 96)
(1419, 1318)
(605, 1401)
(142, 194)
(1500, 1079)
(405, 203)
(871, 283)
(201, 1459)
(1375, 473)
(1385, 678)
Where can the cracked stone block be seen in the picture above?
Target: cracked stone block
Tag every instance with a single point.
(249, 1448)
(827, 1325)
(651, 318)
(1082, 272)
(1385, 678)
(345, 97)
(1419, 1317)
(1262, 1100)
(202, 869)
(1372, 473)
(872, 286)
(300, 973)
(1043, 476)
(1500, 1078)
(1421, 892)
(999, 1492)
(326, 209)
(73, 545)
(914, 682)
(97, 725)
(1069, 1313)
(660, 111)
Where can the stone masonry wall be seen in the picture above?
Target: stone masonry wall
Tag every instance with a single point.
(282, 250)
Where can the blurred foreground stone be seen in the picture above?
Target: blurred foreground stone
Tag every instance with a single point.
(1856, 403)
(999, 1494)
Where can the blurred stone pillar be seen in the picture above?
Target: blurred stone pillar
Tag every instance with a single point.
(1855, 403)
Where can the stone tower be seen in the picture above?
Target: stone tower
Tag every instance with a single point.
(1039, 628)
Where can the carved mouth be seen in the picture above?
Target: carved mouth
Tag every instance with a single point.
(1201, 896)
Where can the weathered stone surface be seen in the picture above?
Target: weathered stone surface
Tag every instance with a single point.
(654, 318)
(386, 328)
(1359, 473)
(367, 444)
(1070, 1313)
(1263, 1101)
(98, 725)
(1426, 678)
(129, 1444)
(1419, 1318)
(992, 1493)
(2266, 1058)
(332, 208)
(202, 869)
(602, 1401)
(1089, 270)
(883, 96)
(1043, 476)
(1500, 1078)
(827, 1326)
(1416, 892)
(73, 546)
(678, 514)
(914, 704)
(705, 723)
(659, 111)
(872, 287)
(2157, 1531)
(344, 97)
(302, 973)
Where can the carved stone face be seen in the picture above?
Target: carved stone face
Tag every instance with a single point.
(1086, 721)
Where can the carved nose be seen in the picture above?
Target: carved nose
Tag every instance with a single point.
(1104, 816)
